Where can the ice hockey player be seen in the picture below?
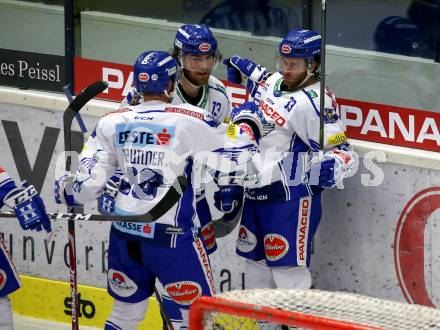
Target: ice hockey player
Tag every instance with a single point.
(152, 143)
(195, 49)
(280, 218)
(31, 214)
(197, 54)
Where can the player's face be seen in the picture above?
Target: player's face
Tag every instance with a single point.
(294, 70)
(198, 67)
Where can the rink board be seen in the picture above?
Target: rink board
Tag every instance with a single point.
(377, 236)
(50, 300)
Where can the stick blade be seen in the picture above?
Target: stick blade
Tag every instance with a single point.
(87, 94)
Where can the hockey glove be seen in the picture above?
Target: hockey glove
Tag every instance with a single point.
(252, 70)
(254, 92)
(106, 203)
(250, 114)
(229, 198)
(133, 98)
(234, 75)
(63, 190)
(327, 171)
(28, 207)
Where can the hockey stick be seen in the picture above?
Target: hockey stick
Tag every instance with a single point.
(166, 203)
(71, 228)
(80, 121)
(322, 74)
(166, 319)
(170, 198)
(163, 206)
(224, 227)
(74, 107)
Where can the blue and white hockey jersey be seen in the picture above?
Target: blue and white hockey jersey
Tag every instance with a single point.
(153, 143)
(214, 99)
(287, 149)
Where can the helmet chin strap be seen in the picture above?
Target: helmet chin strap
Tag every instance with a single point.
(307, 77)
(169, 95)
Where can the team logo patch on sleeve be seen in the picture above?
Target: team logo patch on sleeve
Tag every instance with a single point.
(120, 283)
(275, 246)
(330, 115)
(184, 292)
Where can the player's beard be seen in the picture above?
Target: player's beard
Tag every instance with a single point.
(196, 78)
(292, 80)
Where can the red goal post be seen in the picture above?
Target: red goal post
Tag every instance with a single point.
(310, 309)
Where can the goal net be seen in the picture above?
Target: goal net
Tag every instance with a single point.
(310, 309)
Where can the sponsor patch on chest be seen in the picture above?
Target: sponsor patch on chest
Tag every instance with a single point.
(272, 113)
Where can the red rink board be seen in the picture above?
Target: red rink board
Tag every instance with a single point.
(373, 122)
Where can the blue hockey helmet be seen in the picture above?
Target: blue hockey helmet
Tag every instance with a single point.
(195, 39)
(300, 44)
(153, 70)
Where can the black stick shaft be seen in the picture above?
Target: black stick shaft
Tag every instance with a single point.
(71, 232)
(164, 314)
(73, 108)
